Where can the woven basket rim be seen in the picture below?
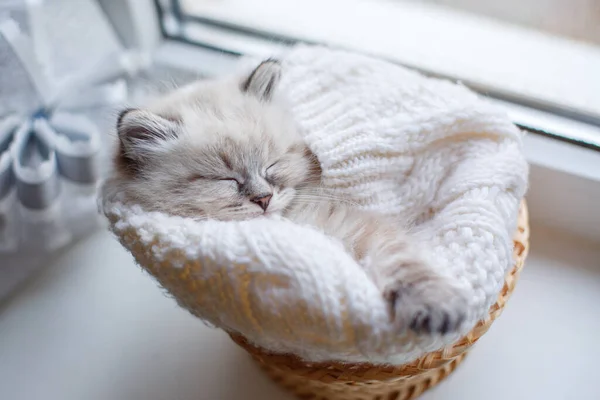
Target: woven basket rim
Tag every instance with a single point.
(360, 372)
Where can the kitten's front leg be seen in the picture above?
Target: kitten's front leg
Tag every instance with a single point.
(419, 298)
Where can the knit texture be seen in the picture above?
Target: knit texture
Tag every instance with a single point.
(424, 150)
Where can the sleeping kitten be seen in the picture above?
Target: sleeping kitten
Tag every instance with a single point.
(228, 150)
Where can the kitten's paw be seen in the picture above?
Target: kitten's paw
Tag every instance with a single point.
(429, 307)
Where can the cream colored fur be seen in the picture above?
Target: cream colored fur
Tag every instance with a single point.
(229, 150)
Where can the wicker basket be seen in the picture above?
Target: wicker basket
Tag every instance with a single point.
(336, 381)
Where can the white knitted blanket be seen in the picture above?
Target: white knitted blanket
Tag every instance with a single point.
(426, 150)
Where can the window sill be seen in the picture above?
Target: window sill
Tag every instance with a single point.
(486, 54)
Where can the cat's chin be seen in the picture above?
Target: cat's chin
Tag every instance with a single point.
(276, 214)
(273, 214)
(238, 218)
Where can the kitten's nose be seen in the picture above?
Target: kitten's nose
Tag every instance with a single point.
(262, 201)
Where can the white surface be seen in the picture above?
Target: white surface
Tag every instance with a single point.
(505, 57)
(574, 18)
(93, 326)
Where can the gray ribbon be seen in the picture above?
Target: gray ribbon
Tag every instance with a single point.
(32, 154)
(38, 196)
(78, 169)
(34, 165)
(6, 182)
(7, 130)
(76, 143)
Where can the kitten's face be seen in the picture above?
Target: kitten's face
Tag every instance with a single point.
(220, 150)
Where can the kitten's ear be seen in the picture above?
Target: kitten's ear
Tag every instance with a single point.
(140, 131)
(263, 80)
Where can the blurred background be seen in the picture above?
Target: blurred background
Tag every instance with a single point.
(577, 19)
(70, 296)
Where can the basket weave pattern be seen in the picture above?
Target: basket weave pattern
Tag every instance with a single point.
(337, 381)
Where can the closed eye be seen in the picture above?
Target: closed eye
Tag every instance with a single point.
(271, 166)
(232, 180)
(193, 178)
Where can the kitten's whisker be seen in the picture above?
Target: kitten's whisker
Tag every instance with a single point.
(320, 192)
(316, 191)
(234, 213)
(320, 197)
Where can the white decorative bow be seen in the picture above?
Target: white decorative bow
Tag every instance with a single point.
(52, 136)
